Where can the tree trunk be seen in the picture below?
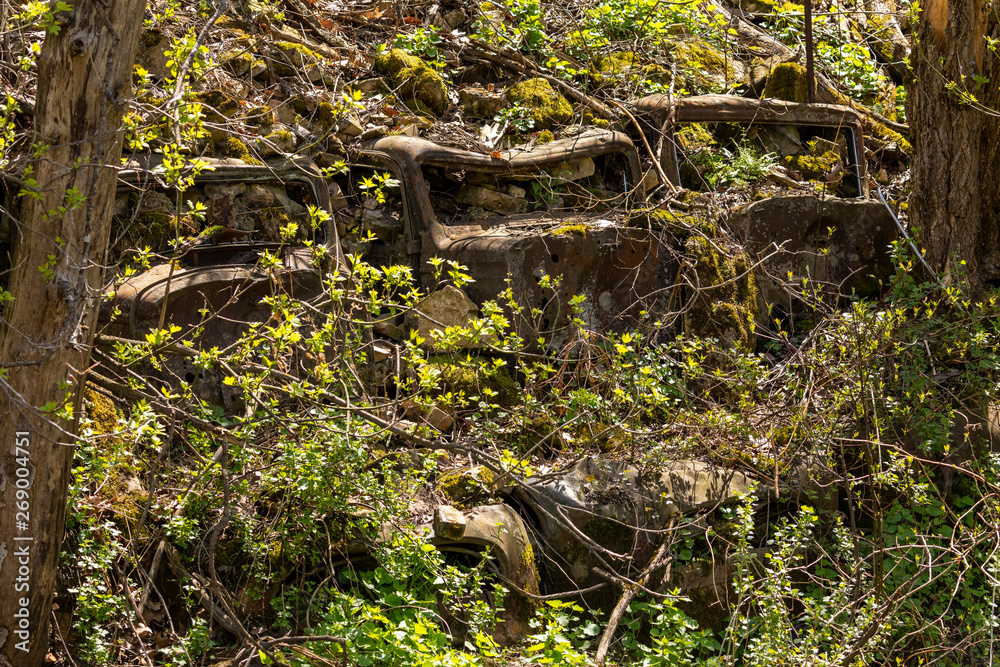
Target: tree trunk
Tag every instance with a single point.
(84, 82)
(955, 176)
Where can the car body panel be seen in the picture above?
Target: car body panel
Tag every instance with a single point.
(593, 254)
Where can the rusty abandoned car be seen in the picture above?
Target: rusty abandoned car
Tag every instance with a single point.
(566, 225)
(566, 230)
(835, 235)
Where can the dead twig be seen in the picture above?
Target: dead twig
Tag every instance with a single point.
(645, 142)
(661, 558)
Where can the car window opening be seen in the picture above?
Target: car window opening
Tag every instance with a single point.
(712, 156)
(221, 223)
(583, 187)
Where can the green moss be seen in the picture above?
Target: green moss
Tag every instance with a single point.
(787, 81)
(261, 116)
(326, 112)
(705, 68)
(416, 80)
(472, 376)
(126, 495)
(294, 57)
(281, 135)
(466, 486)
(299, 106)
(616, 63)
(727, 311)
(657, 74)
(209, 232)
(694, 136)
(883, 136)
(880, 33)
(547, 107)
(616, 66)
(813, 166)
(546, 137)
(237, 63)
(579, 230)
(101, 411)
(233, 147)
(529, 583)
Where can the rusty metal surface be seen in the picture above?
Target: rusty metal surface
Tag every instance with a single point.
(841, 243)
(229, 287)
(499, 532)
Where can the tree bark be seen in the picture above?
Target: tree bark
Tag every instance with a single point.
(84, 82)
(955, 178)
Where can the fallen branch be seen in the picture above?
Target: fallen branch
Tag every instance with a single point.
(645, 142)
(659, 560)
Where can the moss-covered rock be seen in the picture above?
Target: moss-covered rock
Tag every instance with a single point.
(475, 377)
(233, 147)
(291, 59)
(467, 487)
(787, 81)
(415, 79)
(547, 107)
(879, 136)
(813, 167)
(281, 140)
(727, 311)
(694, 136)
(616, 63)
(217, 105)
(705, 68)
(238, 63)
(262, 116)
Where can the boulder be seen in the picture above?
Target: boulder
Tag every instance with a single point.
(446, 307)
(491, 200)
(416, 81)
(478, 102)
(705, 68)
(449, 523)
(278, 142)
(547, 107)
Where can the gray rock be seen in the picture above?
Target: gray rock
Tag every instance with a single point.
(491, 200)
(446, 307)
(480, 103)
(449, 523)
(574, 171)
